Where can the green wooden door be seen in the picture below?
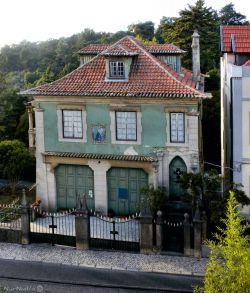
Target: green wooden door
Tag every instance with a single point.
(73, 181)
(124, 185)
(177, 168)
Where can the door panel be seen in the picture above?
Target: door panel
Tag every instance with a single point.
(124, 186)
(73, 181)
(177, 168)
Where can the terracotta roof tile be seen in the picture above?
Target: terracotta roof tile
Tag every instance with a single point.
(241, 36)
(148, 77)
(95, 49)
(101, 156)
(118, 50)
(247, 63)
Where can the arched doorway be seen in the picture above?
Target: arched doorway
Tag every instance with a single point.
(177, 168)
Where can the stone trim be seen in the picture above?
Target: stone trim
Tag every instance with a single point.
(59, 110)
(113, 129)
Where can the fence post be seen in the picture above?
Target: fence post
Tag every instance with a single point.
(25, 220)
(204, 226)
(197, 233)
(82, 225)
(159, 231)
(186, 230)
(146, 232)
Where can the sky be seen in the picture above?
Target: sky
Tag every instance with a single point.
(34, 20)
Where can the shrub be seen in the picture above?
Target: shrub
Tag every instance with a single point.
(228, 269)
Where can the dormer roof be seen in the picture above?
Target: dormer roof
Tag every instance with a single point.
(235, 39)
(148, 77)
(95, 49)
(118, 50)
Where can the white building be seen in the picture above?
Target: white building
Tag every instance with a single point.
(235, 106)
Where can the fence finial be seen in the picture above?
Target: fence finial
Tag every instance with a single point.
(82, 203)
(24, 198)
(197, 215)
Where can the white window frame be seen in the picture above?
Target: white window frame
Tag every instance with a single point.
(72, 124)
(127, 127)
(116, 69)
(60, 126)
(114, 139)
(180, 116)
(183, 110)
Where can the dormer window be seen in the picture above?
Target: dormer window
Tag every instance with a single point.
(116, 70)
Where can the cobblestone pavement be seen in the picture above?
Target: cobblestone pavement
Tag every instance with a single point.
(104, 259)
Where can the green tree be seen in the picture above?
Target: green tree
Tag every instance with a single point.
(229, 16)
(14, 158)
(145, 30)
(179, 30)
(152, 198)
(206, 189)
(228, 268)
(11, 108)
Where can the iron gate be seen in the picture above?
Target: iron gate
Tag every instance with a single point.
(54, 228)
(114, 233)
(173, 233)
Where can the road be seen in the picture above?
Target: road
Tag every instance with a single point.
(25, 276)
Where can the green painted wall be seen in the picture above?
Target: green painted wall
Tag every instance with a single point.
(153, 130)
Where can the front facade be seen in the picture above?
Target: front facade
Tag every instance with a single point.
(128, 117)
(235, 105)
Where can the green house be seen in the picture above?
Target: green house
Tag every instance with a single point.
(127, 117)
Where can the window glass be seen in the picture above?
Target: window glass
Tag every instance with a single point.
(126, 127)
(177, 127)
(72, 124)
(116, 69)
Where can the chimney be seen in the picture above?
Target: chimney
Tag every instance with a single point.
(196, 56)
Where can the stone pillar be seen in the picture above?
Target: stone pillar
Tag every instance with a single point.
(204, 227)
(25, 220)
(31, 126)
(197, 233)
(159, 231)
(100, 169)
(187, 242)
(155, 174)
(51, 187)
(146, 232)
(82, 225)
(41, 169)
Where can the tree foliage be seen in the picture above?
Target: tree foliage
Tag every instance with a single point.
(179, 30)
(151, 197)
(14, 158)
(206, 190)
(145, 30)
(229, 16)
(228, 268)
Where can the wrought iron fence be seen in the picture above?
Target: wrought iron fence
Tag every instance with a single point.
(10, 216)
(55, 228)
(114, 233)
(10, 223)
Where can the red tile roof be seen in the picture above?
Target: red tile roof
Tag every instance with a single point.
(247, 63)
(94, 49)
(235, 38)
(148, 77)
(118, 50)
